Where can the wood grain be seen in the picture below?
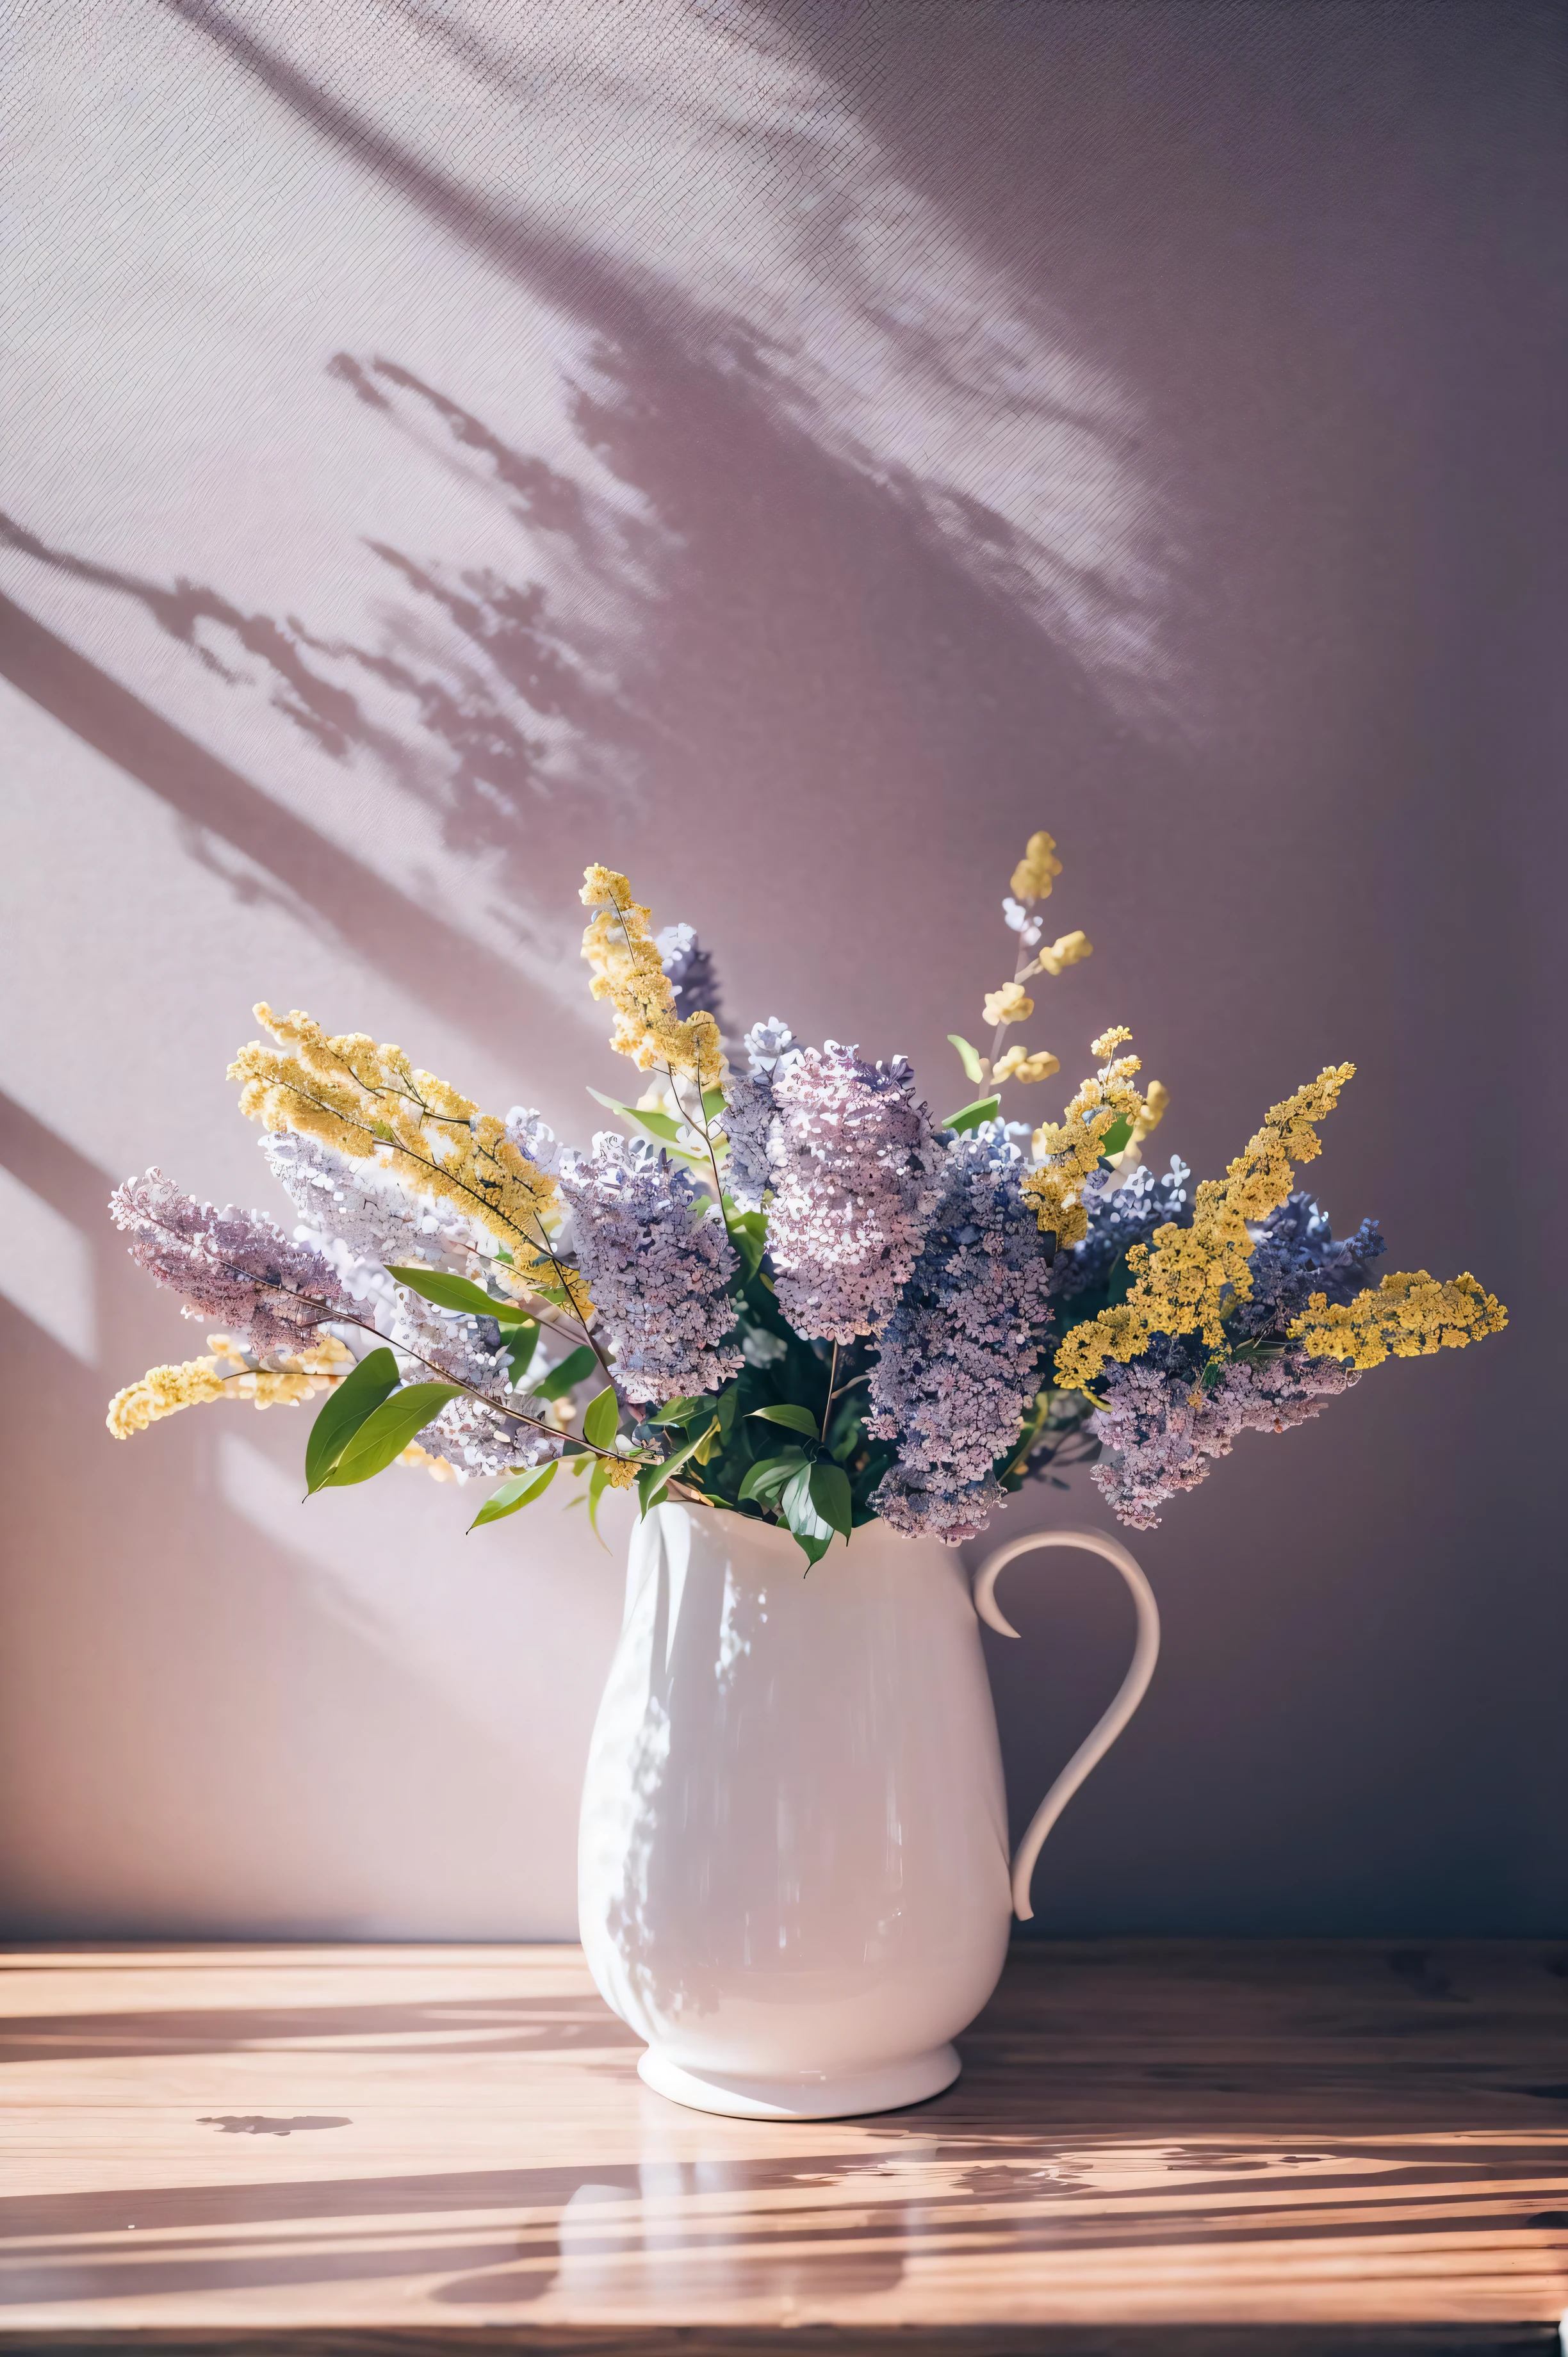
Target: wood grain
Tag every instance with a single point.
(1182, 2150)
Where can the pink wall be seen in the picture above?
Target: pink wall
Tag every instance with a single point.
(790, 452)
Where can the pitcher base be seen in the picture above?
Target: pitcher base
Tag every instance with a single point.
(837, 2096)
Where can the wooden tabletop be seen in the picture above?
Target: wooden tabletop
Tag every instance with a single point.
(1153, 2148)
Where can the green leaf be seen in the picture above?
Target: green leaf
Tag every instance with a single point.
(970, 1116)
(600, 1418)
(652, 1479)
(749, 1233)
(387, 1431)
(342, 1413)
(713, 1102)
(830, 1497)
(567, 1375)
(813, 1530)
(1116, 1136)
(520, 1491)
(799, 1419)
(453, 1292)
(662, 1125)
(676, 1411)
(771, 1474)
(520, 1341)
(969, 1058)
(596, 1486)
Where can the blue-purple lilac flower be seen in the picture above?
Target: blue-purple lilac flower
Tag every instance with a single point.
(1121, 1214)
(690, 968)
(658, 1264)
(233, 1267)
(1296, 1254)
(959, 1359)
(853, 1159)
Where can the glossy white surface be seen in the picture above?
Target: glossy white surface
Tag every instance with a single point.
(793, 1875)
(842, 2094)
(793, 1863)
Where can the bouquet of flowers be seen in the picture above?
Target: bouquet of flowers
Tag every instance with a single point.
(781, 1288)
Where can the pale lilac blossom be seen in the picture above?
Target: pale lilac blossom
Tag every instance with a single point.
(854, 1161)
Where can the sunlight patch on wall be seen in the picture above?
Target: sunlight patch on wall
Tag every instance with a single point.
(46, 1269)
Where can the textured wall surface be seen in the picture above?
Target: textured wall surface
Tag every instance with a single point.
(790, 452)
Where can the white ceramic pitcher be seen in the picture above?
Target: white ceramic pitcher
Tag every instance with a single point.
(793, 1877)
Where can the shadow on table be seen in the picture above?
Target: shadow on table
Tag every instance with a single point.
(442, 2026)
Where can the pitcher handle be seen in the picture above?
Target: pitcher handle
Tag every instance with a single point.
(1133, 1686)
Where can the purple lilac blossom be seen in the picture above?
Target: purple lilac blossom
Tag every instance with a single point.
(960, 1361)
(854, 1161)
(690, 968)
(751, 1110)
(234, 1267)
(658, 1266)
(1163, 1432)
(931, 1510)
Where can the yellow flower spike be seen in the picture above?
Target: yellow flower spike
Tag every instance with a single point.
(1070, 1149)
(1033, 876)
(628, 972)
(1011, 1004)
(163, 1391)
(1181, 1283)
(1071, 949)
(620, 1472)
(1408, 1316)
(370, 1104)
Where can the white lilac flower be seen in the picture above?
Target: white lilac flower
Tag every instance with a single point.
(534, 1139)
(233, 1267)
(475, 1438)
(1029, 927)
(658, 1263)
(960, 1360)
(362, 1221)
(853, 1160)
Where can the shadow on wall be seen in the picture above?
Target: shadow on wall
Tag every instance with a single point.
(878, 527)
(361, 1774)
